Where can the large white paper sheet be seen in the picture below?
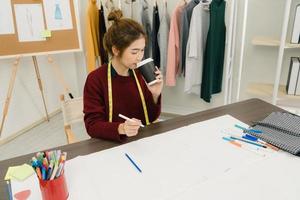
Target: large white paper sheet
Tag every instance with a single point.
(6, 18)
(30, 22)
(171, 163)
(275, 178)
(58, 14)
(185, 163)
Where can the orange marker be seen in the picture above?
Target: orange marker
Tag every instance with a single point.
(38, 172)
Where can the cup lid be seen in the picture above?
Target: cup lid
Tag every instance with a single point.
(144, 62)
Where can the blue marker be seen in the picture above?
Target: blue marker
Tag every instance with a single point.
(249, 142)
(134, 164)
(35, 163)
(250, 137)
(44, 176)
(227, 139)
(245, 129)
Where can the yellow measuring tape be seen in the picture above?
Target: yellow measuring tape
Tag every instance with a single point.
(110, 98)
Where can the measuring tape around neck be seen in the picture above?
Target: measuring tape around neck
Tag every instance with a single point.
(110, 98)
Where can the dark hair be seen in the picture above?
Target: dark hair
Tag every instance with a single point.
(122, 32)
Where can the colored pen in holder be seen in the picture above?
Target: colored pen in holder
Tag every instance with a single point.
(49, 167)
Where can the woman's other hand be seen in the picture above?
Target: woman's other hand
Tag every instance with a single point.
(156, 88)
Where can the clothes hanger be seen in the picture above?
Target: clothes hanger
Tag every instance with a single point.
(182, 2)
(205, 1)
(109, 4)
(205, 4)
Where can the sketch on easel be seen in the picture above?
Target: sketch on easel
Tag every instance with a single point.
(30, 22)
(6, 18)
(58, 14)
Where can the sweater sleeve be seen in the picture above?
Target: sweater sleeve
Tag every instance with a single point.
(95, 115)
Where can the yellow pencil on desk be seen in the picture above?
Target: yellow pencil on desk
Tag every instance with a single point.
(126, 118)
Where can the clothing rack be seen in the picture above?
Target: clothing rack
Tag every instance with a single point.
(229, 46)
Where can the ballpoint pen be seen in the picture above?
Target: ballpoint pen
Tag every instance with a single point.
(134, 164)
(126, 118)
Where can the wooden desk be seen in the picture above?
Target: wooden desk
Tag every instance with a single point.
(246, 111)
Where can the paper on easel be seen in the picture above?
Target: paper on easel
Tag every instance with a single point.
(30, 22)
(6, 18)
(58, 14)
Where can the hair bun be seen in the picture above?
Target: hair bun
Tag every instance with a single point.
(115, 15)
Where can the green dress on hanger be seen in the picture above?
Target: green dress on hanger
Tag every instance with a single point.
(214, 52)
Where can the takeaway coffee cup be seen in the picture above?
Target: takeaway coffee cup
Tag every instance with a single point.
(147, 69)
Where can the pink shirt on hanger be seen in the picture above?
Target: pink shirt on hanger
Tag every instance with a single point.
(173, 46)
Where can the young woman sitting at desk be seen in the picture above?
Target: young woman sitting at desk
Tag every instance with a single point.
(117, 88)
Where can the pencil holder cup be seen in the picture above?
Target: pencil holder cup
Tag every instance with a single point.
(54, 189)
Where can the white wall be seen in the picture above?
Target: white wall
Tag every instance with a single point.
(26, 106)
(265, 18)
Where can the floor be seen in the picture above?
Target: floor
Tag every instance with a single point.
(46, 136)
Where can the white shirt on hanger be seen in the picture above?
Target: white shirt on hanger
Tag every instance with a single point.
(126, 6)
(195, 49)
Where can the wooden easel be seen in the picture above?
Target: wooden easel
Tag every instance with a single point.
(11, 87)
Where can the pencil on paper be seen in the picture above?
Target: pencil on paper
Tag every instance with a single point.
(132, 162)
(126, 118)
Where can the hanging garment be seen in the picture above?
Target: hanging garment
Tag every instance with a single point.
(109, 6)
(137, 9)
(214, 51)
(131, 9)
(195, 49)
(147, 27)
(184, 30)
(102, 31)
(92, 36)
(155, 27)
(173, 46)
(163, 37)
(126, 7)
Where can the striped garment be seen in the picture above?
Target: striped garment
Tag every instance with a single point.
(280, 129)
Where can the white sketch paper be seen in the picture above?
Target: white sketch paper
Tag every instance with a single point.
(58, 14)
(6, 18)
(30, 22)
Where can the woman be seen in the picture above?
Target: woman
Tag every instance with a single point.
(117, 88)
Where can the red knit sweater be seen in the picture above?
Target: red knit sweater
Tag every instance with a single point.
(126, 101)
